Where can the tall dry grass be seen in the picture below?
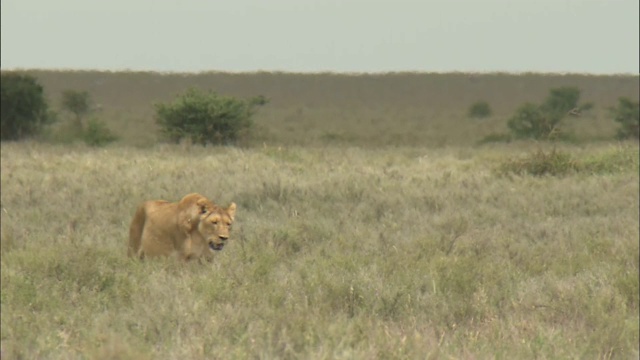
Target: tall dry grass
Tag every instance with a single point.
(390, 253)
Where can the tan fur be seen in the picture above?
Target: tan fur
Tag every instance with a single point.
(191, 229)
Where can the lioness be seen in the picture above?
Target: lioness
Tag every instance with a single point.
(191, 229)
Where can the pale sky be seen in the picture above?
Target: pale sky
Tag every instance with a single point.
(580, 36)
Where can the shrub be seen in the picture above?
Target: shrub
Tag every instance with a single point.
(206, 117)
(560, 101)
(23, 108)
(530, 121)
(542, 121)
(540, 163)
(479, 109)
(615, 160)
(78, 103)
(98, 134)
(627, 113)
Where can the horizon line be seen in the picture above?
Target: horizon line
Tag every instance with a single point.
(319, 72)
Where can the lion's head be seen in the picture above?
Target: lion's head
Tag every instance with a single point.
(215, 224)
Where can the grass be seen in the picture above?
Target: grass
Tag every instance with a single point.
(372, 110)
(338, 252)
(557, 162)
(369, 225)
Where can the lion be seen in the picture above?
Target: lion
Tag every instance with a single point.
(192, 228)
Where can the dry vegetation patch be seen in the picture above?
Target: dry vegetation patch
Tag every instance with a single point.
(336, 253)
(555, 162)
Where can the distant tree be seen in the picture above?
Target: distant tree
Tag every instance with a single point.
(542, 121)
(564, 101)
(206, 117)
(627, 114)
(530, 121)
(23, 108)
(479, 109)
(98, 134)
(77, 103)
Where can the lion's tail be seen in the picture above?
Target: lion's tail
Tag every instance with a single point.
(135, 231)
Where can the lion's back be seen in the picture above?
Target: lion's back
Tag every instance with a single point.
(152, 218)
(161, 228)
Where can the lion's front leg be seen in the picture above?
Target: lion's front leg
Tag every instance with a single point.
(187, 248)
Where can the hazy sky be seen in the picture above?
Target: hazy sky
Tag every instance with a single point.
(593, 36)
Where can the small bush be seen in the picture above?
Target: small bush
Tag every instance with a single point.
(616, 160)
(540, 163)
(206, 117)
(530, 121)
(77, 103)
(480, 109)
(24, 109)
(97, 134)
(627, 114)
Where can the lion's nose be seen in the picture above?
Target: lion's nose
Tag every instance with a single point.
(223, 237)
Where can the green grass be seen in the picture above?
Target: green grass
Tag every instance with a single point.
(557, 162)
(337, 253)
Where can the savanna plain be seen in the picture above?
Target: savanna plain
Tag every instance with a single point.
(372, 223)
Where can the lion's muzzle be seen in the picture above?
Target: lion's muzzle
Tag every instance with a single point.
(217, 246)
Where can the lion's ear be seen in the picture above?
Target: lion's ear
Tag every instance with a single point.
(232, 210)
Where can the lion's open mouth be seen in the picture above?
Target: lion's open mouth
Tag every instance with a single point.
(216, 247)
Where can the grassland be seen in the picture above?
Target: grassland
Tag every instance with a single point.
(426, 110)
(367, 245)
